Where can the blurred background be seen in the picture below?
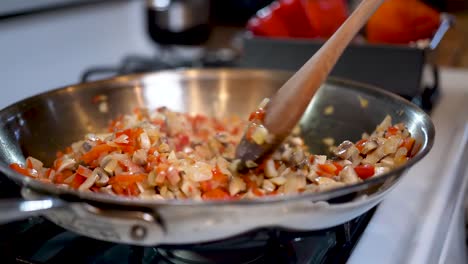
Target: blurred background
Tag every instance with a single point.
(50, 43)
(415, 48)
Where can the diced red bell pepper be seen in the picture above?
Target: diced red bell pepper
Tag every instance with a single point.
(219, 177)
(408, 144)
(311, 159)
(250, 131)
(95, 152)
(257, 191)
(61, 176)
(127, 179)
(29, 164)
(118, 189)
(391, 131)
(235, 130)
(219, 180)
(116, 124)
(328, 168)
(338, 167)
(132, 134)
(173, 175)
(251, 185)
(125, 184)
(259, 115)
(83, 171)
(77, 181)
(25, 171)
(206, 186)
(365, 171)
(132, 190)
(360, 144)
(182, 141)
(216, 194)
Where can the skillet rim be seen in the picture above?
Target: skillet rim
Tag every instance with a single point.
(53, 190)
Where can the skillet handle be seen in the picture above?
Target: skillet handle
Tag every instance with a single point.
(19, 209)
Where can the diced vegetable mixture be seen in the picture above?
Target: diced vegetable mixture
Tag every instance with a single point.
(163, 154)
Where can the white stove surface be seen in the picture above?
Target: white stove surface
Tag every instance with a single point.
(423, 219)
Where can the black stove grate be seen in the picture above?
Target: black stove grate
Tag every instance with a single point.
(38, 241)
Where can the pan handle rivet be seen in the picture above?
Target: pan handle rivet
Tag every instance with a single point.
(138, 232)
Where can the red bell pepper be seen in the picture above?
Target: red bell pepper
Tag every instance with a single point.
(365, 171)
(267, 22)
(294, 16)
(326, 16)
(402, 21)
(216, 194)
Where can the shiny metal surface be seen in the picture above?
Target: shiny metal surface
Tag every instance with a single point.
(14, 210)
(40, 125)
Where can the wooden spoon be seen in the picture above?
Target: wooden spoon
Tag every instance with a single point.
(286, 108)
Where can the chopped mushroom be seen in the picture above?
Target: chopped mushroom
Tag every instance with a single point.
(297, 141)
(102, 179)
(88, 182)
(297, 158)
(280, 180)
(391, 145)
(385, 124)
(320, 159)
(66, 164)
(295, 182)
(312, 175)
(348, 175)
(250, 164)
(329, 141)
(107, 189)
(268, 186)
(34, 163)
(145, 141)
(139, 157)
(388, 161)
(346, 150)
(111, 166)
(375, 156)
(260, 135)
(369, 146)
(380, 169)
(270, 170)
(326, 184)
(236, 185)
(287, 154)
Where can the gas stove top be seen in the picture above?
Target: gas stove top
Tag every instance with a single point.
(37, 240)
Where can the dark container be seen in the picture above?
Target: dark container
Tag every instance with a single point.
(396, 68)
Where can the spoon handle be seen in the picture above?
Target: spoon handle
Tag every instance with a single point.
(290, 102)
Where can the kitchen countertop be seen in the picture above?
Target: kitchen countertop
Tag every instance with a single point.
(424, 215)
(453, 49)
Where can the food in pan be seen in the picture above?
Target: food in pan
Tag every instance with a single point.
(163, 154)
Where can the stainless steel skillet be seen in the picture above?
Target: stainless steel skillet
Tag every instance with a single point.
(40, 125)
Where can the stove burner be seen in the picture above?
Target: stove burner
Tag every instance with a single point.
(37, 241)
(185, 256)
